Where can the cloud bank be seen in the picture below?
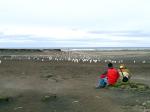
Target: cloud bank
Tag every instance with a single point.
(74, 23)
(65, 37)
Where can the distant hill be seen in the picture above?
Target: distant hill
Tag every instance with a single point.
(25, 51)
(30, 50)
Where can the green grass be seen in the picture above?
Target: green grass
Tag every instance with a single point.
(4, 98)
(131, 86)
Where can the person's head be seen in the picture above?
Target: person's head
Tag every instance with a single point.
(122, 66)
(110, 65)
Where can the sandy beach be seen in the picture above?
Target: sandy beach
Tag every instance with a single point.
(59, 81)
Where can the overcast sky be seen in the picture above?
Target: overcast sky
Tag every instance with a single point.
(74, 23)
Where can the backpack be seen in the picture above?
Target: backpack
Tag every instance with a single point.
(125, 79)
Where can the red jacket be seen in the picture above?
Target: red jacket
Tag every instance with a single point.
(112, 76)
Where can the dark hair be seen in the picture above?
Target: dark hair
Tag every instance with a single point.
(110, 65)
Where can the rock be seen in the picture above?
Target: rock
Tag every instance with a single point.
(98, 97)
(75, 101)
(5, 98)
(144, 103)
(18, 108)
(49, 97)
(47, 76)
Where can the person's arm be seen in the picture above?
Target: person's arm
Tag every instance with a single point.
(105, 72)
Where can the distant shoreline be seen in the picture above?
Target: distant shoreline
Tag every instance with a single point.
(78, 49)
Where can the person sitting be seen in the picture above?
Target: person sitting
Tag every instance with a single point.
(110, 77)
(125, 75)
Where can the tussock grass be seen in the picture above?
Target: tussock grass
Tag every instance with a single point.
(131, 86)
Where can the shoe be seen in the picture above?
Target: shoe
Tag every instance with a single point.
(99, 87)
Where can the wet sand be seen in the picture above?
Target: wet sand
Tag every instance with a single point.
(36, 85)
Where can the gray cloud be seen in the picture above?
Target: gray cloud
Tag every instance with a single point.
(44, 39)
(25, 41)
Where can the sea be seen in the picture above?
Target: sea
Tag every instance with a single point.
(87, 48)
(104, 48)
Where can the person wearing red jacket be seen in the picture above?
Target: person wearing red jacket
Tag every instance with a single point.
(110, 77)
